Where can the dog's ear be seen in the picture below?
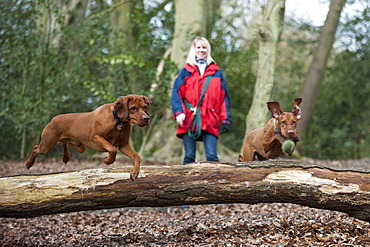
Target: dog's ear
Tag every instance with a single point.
(275, 109)
(146, 100)
(297, 102)
(296, 110)
(121, 106)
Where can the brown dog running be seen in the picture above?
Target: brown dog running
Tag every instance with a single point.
(265, 142)
(105, 129)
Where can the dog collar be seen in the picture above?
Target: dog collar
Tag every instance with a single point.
(276, 129)
(120, 123)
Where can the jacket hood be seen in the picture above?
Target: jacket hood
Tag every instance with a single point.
(210, 69)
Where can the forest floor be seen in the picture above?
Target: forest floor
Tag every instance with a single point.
(276, 224)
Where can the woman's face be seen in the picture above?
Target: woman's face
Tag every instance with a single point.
(200, 50)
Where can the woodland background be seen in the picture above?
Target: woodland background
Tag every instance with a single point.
(61, 56)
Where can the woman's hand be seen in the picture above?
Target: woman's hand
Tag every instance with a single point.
(180, 119)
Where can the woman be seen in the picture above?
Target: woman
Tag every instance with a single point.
(200, 102)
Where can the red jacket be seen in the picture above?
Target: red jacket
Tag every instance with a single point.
(215, 108)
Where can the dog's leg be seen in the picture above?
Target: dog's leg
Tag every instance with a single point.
(248, 148)
(78, 146)
(130, 152)
(37, 149)
(46, 145)
(31, 159)
(248, 153)
(65, 152)
(112, 150)
(259, 157)
(111, 158)
(240, 158)
(273, 148)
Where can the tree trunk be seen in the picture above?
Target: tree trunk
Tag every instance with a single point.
(186, 29)
(315, 74)
(191, 21)
(121, 39)
(120, 19)
(201, 183)
(75, 16)
(23, 142)
(49, 24)
(269, 33)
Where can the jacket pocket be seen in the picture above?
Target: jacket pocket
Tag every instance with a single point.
(212, 118)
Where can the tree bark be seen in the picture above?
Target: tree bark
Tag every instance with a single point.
(200, 183)
(269, 35)
(76, 16)
(315, 74)
(120, 19)
(49, 25)
(191, 21)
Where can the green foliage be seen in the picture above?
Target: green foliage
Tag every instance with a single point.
(91, 67)
(40, 80)
(19, 70)
(296, 47)
(340, 126)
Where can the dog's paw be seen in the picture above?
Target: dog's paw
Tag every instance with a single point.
(134, 175)
(28, 165)
(65, 159)
(109, 160)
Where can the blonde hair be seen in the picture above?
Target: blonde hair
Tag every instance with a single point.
(191, 56)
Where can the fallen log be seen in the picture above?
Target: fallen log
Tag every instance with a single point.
(306, 184)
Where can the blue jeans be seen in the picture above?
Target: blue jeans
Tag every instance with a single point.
(210, 147)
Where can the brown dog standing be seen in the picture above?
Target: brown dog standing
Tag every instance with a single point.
(105, 129)
(265, 142)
